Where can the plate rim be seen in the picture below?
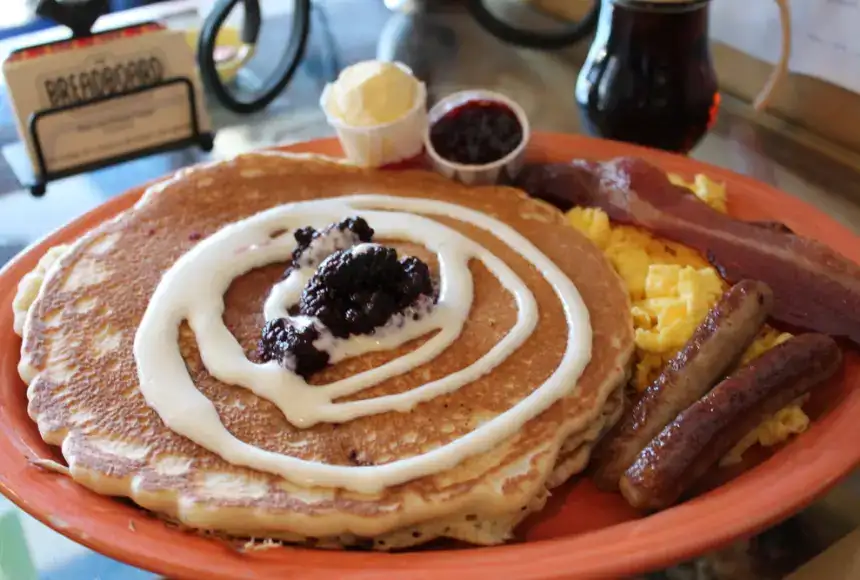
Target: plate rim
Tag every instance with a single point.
(631, 547)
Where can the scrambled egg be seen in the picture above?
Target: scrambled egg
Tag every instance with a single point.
(671, 288)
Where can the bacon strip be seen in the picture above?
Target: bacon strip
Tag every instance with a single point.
(814, 287)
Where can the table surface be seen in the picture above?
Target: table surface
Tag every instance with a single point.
(440, 46)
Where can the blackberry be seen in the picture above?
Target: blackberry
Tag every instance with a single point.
(416, 280)
(362, 232)
(357, 226)
(354, 293)
(291, 347)
(304, 237)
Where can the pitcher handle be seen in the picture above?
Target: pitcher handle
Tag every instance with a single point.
(779, 71)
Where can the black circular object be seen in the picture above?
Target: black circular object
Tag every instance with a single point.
(287, 65)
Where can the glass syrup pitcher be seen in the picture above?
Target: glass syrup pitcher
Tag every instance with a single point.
(648, 78)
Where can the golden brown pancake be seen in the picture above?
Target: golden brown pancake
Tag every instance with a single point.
(83, 387)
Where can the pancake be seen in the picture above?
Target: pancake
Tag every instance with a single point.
(84, 393)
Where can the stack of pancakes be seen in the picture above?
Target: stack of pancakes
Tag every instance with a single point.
(77, 359)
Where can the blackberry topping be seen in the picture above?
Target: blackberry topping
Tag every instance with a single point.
(291, 347)
(304, 237)
(358, 227)
(356, 292)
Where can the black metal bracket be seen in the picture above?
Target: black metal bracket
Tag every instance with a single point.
(37, 183)
(79, 16)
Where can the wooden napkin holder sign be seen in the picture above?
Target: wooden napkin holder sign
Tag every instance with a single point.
(90, 102)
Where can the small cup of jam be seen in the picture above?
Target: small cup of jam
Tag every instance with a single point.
(477, 137)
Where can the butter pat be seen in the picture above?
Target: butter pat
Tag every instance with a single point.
(372, 93)
(379, 112)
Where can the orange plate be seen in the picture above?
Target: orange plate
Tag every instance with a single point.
(582, 533)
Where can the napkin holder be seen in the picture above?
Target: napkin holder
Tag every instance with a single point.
(55, 86)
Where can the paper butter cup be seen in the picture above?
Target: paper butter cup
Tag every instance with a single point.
(387, 143)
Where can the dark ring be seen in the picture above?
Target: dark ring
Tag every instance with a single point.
(286, 68)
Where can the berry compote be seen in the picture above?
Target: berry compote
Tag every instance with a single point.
(477, 132)
(353, 291)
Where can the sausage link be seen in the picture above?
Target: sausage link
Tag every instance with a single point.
(715, 347)
(713, 425)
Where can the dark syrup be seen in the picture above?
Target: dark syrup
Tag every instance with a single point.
(476, 133)
(648, 78)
